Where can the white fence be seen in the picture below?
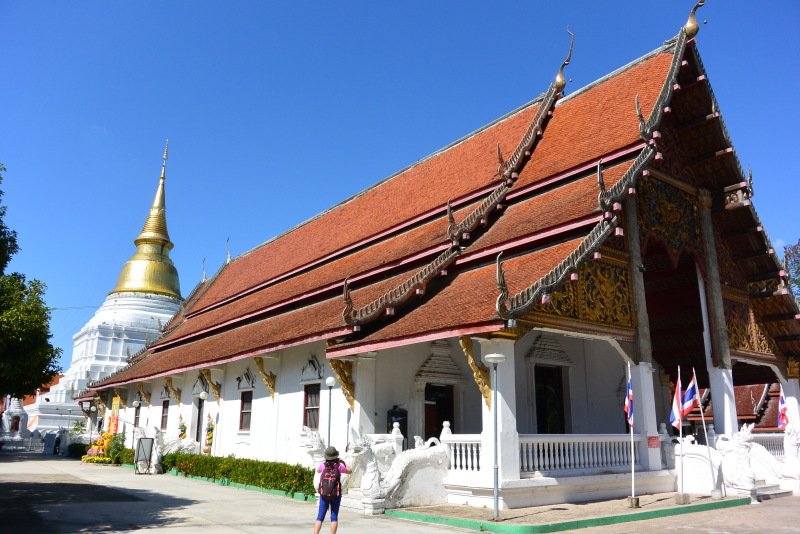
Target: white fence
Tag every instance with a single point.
(464, 451)
(566, 454)
(772, 442)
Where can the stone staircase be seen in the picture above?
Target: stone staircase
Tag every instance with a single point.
(765, 492)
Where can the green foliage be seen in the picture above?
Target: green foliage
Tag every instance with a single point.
(27, 359)
(126, 456)
(78, 428)
(268, 475)
(791, 257)
(76, 450)
(116, 448)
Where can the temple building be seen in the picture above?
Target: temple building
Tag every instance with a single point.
(147, 295)
(536, 259)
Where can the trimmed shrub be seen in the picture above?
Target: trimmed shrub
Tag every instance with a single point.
(76, 450)
(126, 456)
(269, 475)
(115, 448)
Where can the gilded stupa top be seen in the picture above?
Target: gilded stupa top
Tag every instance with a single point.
(150, 269)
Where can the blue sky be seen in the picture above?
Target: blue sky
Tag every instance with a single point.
(277, 111)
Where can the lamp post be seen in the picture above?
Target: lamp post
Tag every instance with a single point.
(92, 410)
(330, 382)
(494, 359)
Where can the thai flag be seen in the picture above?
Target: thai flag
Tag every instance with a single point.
(675, 416)
(783, 416)
(629, 403)
(690, 398)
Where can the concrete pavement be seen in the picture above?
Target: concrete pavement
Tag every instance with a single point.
(54, 495)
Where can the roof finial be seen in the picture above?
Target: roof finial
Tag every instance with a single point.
(691, 27)
(204, 271)
(227, 250)
(166, 156)
(561, 82)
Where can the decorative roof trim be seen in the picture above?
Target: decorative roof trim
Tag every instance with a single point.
(479, 216)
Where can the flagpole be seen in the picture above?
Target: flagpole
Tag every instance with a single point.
(705, 433)
(680, 433)
(633, 471)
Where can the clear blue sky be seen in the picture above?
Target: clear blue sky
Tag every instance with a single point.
(276, 111)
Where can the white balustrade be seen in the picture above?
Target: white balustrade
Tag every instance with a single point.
(464, 451)
(565, 454)
(772, 442)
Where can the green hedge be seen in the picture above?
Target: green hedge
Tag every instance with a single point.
(76, 450)
(269, 475)
(125, 456)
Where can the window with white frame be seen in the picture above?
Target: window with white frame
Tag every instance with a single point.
(164, 414)
(311, 406)
(245, 410)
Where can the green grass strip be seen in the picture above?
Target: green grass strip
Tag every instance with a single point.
(488, 526)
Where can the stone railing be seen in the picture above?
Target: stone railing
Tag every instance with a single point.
(772, 442)
(575, 454)
(464, 451)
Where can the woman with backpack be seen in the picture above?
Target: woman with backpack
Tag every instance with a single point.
(330, 488)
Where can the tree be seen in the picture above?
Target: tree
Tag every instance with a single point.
(791, 257)
(27, 358)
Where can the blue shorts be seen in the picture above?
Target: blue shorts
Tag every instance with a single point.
(323, 508)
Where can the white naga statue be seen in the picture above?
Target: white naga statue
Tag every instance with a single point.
(381, 473)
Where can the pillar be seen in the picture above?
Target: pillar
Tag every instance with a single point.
(507, 435)
(715, 335)
(645, 418)
(364, 413)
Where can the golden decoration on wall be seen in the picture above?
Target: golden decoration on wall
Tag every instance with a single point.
(730, 274)
(143, 393)
(744, 332)
(600, 295)
(480, 373)
(668, 214)
(792, 367)
(268, 378)
(174, 392)
(216, 387)
(344, 375)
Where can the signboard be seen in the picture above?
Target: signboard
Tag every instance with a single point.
(143, 456)
(113, 419)
(653, 442)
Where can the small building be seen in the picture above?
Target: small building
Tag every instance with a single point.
(572, 239)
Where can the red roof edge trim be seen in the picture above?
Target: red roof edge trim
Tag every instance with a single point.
(456, 203)
(588, 221)
(304, 296)
(240, 356)
(481, 328)
(608, 160)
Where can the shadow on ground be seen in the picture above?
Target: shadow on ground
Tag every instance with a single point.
(61, 503)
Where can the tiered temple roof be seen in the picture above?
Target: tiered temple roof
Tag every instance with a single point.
(413, 258)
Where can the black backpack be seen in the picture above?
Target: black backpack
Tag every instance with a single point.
(330, 485)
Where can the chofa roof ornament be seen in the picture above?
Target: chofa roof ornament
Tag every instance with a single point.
(692, 27)
(561, 81)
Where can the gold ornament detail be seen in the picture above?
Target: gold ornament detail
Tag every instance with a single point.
(344, 375)
(669, 214)
(763, 287)
(122, 403)
(480, 373)
(792, 367)
(268, 378)
(744, 332)
(216, 387)
(600, 295)
(143, 392)
(174, 392)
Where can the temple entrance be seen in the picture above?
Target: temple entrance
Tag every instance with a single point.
(549, 383)
(438, 408)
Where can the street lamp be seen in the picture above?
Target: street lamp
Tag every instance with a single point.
(203, 395)
(494, 359)
(92, 410)
(330, 382)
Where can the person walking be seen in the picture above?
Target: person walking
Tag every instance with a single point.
(330, 488)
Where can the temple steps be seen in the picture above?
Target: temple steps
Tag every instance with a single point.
(765, 492)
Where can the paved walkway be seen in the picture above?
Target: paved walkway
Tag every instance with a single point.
(54, 495)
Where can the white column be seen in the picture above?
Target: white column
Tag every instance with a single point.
(364, 413)
(723, 401)
(645, 418)
(507, 435)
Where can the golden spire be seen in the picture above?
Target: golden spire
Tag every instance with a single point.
(150, 270)
(560, 81)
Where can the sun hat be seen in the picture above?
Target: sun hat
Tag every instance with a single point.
(331, 454)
